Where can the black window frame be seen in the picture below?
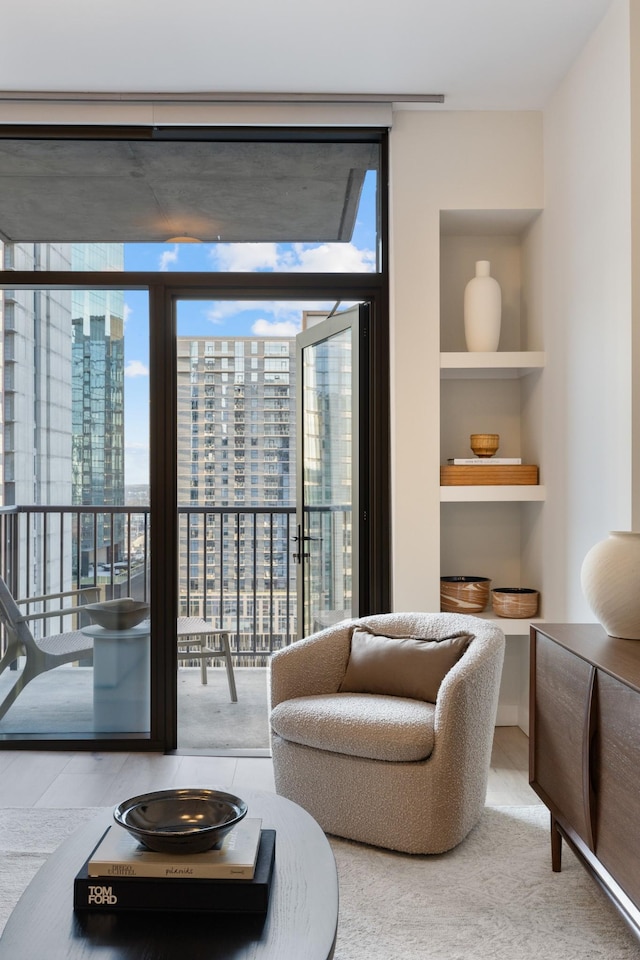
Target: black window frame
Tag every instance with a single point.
(164, 289)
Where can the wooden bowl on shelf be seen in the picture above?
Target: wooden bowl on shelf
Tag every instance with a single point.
(484, 444)
(518, 603)
(464, 594)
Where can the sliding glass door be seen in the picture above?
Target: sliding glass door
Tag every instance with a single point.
(246, 411)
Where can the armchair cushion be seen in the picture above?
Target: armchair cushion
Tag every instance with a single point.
(361, 725)
(400, 666)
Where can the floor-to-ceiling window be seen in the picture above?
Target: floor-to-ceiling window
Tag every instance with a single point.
(127, 398)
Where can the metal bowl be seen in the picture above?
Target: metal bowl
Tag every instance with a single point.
(180, 821)
(121, 614)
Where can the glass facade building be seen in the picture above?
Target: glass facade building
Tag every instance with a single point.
(97, 330)
(63, 413)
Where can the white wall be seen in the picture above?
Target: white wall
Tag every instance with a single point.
(634, 46)
(573, 161)
(585, 244)
(439, 161)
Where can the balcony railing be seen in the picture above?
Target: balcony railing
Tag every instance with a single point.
(235, 565)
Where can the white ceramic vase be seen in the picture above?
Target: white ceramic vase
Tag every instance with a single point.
(610, 578)
(482, 310)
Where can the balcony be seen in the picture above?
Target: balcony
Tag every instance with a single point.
(234, 567)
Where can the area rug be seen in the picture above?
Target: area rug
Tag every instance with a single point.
(27, 836)
(494, 897)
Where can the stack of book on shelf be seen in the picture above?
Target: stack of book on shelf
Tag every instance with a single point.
(234, 877)
(486, 471)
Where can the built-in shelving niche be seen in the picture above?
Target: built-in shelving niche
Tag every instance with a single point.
(492, 530)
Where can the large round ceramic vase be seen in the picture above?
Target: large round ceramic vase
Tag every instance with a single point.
(482, 310)
(610, 578)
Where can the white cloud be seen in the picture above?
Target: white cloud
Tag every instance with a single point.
(275, 328)
(332, 258)
(168, 257)
(245, 257)
(135, 368)
(222, 311)
(297, 257)
(128, 310)
(278, 310)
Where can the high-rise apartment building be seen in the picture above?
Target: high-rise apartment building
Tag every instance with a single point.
(236, 474)
(36, 372)
(237, 397)
(36, 411)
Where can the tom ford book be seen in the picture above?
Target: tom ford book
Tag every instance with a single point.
(105, 894)
(120, 855)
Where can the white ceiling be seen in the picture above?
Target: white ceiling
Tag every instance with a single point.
(482, 54)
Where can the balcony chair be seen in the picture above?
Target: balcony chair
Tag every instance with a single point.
(386, 739)
(192, 645)
(45, 653)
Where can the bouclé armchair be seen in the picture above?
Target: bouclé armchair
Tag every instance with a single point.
(406, 766)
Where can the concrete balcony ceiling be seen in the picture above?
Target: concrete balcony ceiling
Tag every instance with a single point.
(128, 191)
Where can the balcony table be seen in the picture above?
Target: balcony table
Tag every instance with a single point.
(121, 678)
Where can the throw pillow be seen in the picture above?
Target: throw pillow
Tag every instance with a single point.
(401, 666)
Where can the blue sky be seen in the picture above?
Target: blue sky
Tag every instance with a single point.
(221, 318)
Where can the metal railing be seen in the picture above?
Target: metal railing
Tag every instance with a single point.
(235, 565)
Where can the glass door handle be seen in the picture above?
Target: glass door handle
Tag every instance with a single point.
(299, 555)
(299, 536)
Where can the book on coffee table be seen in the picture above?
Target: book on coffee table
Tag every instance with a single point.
(179, 894)
(119, 854)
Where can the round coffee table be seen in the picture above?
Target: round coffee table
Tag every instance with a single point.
(300, 925)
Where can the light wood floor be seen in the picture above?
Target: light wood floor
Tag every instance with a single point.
(59, 779)
(508, 784)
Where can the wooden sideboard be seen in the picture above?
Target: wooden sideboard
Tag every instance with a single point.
(584, 752)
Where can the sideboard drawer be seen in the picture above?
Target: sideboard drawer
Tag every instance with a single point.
(617, 782)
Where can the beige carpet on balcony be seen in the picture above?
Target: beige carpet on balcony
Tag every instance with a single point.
(61, 701)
